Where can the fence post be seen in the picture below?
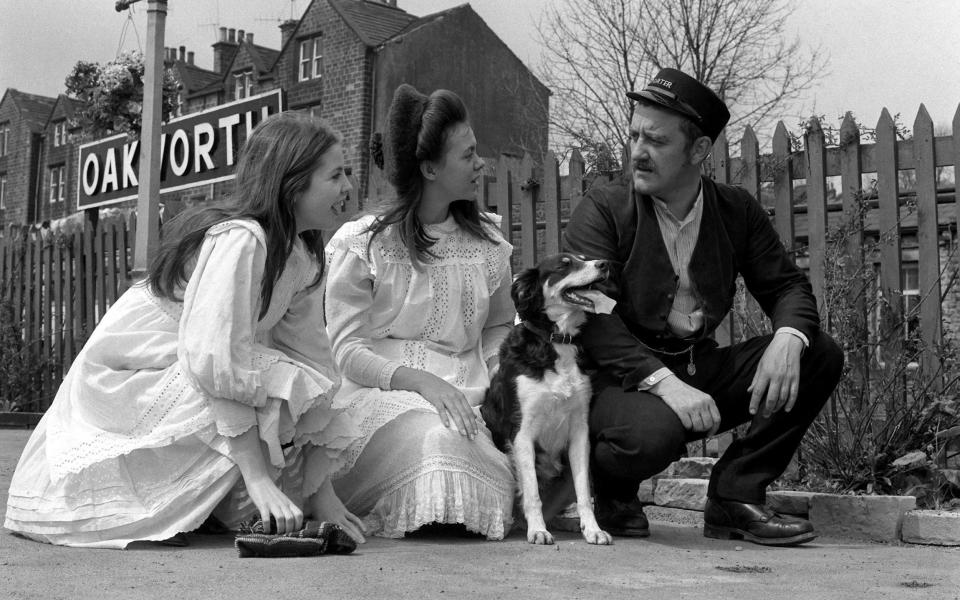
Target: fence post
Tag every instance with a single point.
(851, 184)
(550, 192)
(504, 190)
(816, 207)
(888, 198)
(928, 240)
(782, 167)
(526, 191)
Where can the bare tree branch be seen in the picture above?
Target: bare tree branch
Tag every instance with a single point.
(595, 50)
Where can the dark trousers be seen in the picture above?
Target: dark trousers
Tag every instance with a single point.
(636, 435)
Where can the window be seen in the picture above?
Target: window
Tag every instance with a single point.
(58, 184)
(59, 134)
(911, 298)
(4, 138)
(311, 58)
(243, 85)
(3, 191)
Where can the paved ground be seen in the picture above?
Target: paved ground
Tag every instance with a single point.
(675, 562)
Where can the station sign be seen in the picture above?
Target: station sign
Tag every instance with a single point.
(196, 149)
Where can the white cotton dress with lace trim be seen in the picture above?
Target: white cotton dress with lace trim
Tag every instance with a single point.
(448, 318)
(134, 446)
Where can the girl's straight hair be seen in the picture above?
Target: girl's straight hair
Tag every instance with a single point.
(273, 171)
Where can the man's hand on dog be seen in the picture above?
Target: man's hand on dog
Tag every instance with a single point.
(697, 410)
(777, 379)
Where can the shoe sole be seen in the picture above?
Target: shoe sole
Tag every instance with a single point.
(732, 533)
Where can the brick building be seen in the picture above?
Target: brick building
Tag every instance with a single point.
(23, 117)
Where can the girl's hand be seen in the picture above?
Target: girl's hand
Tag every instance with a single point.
(450, 403)
(271, 502)
(328, 507)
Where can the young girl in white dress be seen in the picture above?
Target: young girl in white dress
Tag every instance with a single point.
(206, 389)
(418, 301)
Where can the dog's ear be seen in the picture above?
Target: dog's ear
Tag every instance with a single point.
(526, 294)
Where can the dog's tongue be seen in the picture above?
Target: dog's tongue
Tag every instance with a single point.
(602, 304)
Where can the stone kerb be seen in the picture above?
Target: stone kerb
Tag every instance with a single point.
(683, 485)
(935, 527)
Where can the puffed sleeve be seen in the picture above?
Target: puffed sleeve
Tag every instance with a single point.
(221, 304)
(348, 298)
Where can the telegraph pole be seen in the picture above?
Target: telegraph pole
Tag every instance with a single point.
(148, 197)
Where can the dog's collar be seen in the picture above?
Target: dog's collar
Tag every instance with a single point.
(551, 336)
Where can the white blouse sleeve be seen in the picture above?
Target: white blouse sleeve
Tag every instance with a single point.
(349, 296)
(221, 305)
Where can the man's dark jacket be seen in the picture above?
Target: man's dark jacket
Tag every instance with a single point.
(736, 237)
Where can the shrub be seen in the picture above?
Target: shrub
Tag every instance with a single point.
(888, 425)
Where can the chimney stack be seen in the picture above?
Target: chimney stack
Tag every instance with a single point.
(286, 31)
(225, 49)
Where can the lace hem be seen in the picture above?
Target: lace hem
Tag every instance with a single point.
(443, 490)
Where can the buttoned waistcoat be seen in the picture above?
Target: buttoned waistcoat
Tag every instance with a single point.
(736, 237)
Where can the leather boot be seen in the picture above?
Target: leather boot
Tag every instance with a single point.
(622, 519)
(729, 520)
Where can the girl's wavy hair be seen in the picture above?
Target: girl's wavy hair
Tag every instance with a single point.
(274, 169)
(418, 127)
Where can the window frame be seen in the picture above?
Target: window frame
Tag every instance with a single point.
(59, 133)
(4, 138)
(242, 85)
(310, 62)
(3, 191)
(57, 184)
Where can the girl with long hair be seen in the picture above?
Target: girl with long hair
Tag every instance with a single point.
(418, 301)
(206, 390)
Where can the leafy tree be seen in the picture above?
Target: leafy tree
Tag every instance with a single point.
(595, 50)
(112, 94)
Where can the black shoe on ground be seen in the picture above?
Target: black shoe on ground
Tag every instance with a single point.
(729, 520)
(622, 519)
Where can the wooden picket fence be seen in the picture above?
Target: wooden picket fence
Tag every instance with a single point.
(528, 196)
(57, 286)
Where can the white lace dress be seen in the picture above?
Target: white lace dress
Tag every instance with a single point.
(134, 447)
(407, 469)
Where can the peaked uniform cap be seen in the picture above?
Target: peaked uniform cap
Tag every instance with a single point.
(681, 93)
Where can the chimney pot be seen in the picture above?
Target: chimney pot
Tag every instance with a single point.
(189, 58)
(223, 34)
(240, 36)
(183, 53)
(250, 37)
(232, 35)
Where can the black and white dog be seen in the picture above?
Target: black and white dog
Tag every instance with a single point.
(538, 401)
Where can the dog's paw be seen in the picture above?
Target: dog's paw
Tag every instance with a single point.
(598, 537)
(539, 537)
